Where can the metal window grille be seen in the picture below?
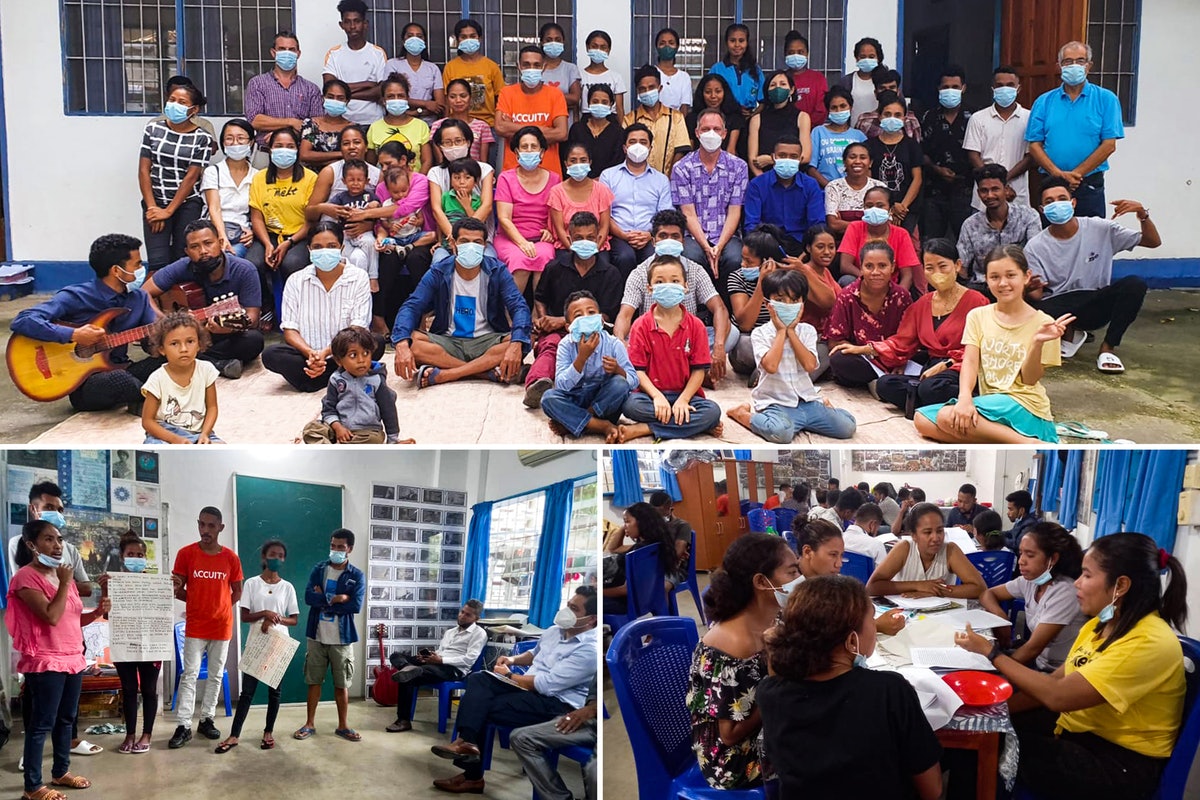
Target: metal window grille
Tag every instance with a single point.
(509, 25)
(582, 539)
(515, 533)
(1113, 31)
(228, 42)
(388, 18)
(821, 21)
(700, 24)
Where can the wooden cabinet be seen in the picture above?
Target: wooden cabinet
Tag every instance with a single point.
(716, 531)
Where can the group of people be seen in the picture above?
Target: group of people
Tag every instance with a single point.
(636, 248)
(553, 707)
(1099, 673)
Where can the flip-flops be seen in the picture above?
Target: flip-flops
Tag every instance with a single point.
(225, 747)
(1069, 347)
(426, 376)
(304, 733)
(1109, 362)
(140, 748)
(349, 734)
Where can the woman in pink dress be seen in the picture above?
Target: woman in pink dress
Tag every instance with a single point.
(524, 240)
(45, 619)
(579, 192)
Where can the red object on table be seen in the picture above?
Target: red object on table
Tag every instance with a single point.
(979, 688)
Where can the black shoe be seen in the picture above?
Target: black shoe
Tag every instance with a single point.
(209, 729)
(231, 369)
(182, 736)
(535, 390)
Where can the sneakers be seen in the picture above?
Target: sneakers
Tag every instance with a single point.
(231, 369)
(209, 729)
(182, 736)
(535, 390)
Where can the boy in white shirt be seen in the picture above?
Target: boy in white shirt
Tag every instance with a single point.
(860, 537)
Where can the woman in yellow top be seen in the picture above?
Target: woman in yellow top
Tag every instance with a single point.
(1007, 347)
(399, 125)
(278, 197)
(1104, 723)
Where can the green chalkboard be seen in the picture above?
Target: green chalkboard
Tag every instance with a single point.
(302, 515)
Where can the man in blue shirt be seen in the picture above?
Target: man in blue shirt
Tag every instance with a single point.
(785, 197)
(1074, 129)
(67, 317)
(639, 191)
(561, 670)
(1020, 513)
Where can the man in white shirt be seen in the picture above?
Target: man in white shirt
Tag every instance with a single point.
(996, 135)
(860, 536)
(825, 508)
(454, 658)
(357, 62)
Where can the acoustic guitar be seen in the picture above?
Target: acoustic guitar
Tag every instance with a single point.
(189, 296)
(46, 371)
(385, 692)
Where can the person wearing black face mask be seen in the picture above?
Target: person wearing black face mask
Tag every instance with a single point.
(236, 342)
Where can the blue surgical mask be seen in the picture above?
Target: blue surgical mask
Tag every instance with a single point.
(414, 45)
(786, 168)
(787, 312)
(286, 60)
(1004, 96)
(876, 215)
(648, 98)
(55, 518)
(469, 46)
(531, 77)
(274, 564)
(867, 64)
(950, 98)
(1059, 211)
(1074, 74)
(237, 152)
(335, 108)
(839, 117)
(796, 61)
(668, 247)
(553, 49)
(597, 56)
(339, 556)
(139, 277)
(750, 273)
(397, 107)
(668, 295)
(530, 159)
(1109, 611)
(175, 112)
(585, 326)
(584, 248)
(49, 561)
(469, 254)
(860, 661)
(284, 157)
(135, 564)
(579, 171)
(599, 110)
(891, 124)
(325, 258)
(1045, 577)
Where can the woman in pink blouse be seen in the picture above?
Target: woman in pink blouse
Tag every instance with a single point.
(525, 241)
(45, 619)
(868, 310)
(579, 192)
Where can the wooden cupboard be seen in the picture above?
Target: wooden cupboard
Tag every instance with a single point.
(716, 531)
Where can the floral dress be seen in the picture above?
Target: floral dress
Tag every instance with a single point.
(723, 687)
(321, 141)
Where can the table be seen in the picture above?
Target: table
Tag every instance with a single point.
(979, 729)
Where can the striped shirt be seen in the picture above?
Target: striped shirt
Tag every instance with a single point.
(699, 283)
(171, 155)
(318, 314)
(301, 99)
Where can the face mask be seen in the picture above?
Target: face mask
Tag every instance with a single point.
(667, 53)
(135, 564)
(710, 140)
(867, 64)
(206, 266)
(325, 258)
(778, 94)
(579, 171)
(335, 108)
(638, 153)
(597, 56)
(940, 280)
(585, 249)
(139, 277)
(781, 594)
(796, 61)
(175, 112)
(599, 110)
(552, 49)
(891, 124)
(585, 326)
(1106, 614)
(469, 254)
(530, 160)
(469, 46)
(667, 295)
(839, 117)
(875, 215)
(565, 618)
(648, 98)
(786, 168)
(55, 518)
(531, 77)
(284, 157)
(414, 45)
(456, 152)
(860, 661)
(668, 247)
(397, 107)
(1045, 577)
(286, 60)
(1074, 74)
(950, 98)
(750, 273)
(1004, 96)
(1059, 211)
(49, 561)
(274, 564)
(338, 556)
(237, 152)
(787, 312)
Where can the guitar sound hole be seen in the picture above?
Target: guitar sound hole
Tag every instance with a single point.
(85, 351)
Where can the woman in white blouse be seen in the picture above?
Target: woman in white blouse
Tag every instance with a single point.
(924, 564)
(226, 187)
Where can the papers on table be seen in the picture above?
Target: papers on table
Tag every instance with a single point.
(980, 620)
(921, 603)
(965, 541)
(938, 700)
(949, 658)
(887, 538)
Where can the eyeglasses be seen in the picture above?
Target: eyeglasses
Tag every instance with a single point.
(1071, 62)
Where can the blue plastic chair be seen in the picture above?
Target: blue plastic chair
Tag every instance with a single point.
(575, 752)
(691, 584)
(744, 507)
(649, 662)
(645, 587)
(760, 519)
(790, 538)
(996, 566)
(444, 692)
(783, 519)
(203, 676)
(856, 565)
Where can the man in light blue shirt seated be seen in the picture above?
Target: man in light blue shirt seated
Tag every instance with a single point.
(561, 670)
(639, 191)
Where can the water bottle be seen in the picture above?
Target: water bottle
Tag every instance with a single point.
(389, 242)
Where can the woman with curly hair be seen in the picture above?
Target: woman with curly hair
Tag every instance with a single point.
(644, 526)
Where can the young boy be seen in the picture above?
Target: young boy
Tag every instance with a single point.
(359, 407)
(399, 238)
(358, 250)
(669, 348)
(593, 375)
(785, 402)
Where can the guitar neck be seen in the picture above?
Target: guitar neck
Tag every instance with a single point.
(137, 334)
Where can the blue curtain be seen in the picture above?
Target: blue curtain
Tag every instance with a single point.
(475, 577)
(627, 485)
(1051, 479)
(670, 484)
(546, 593)
(1068, 515)
(741, 455)
(1159, 474)
(1112, 471)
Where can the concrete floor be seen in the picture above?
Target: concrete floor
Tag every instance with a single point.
(381, 765)
(1155, 401)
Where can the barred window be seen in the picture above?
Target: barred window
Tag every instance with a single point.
(509, 25)
(1114, 32)
(388, 18)
(700, 24)
(822, 22)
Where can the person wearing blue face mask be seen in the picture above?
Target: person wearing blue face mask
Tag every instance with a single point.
(579, 192)
(530, 102)
(599, 46)
(761, 255)
(669, 134)
(785, 196)
(830, 140)
(68, 316)
(400, 124)
(482, 73)
(321, 135)
(868, 54)
(809, 85)
(948, 188)
(281, 98)
(599, 129)
(557, 72)
(996, 135)
(898, 161)
(358, 62)
(1073, 130)
(426, 94)
(279, 196)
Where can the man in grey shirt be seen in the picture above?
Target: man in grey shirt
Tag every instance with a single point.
(1000, 223)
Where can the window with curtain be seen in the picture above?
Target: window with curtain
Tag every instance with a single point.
(648, 464)
(1114, 33)
(119, 54)
(822, 22)
(388, 18)
(582, 541)
(700, 24)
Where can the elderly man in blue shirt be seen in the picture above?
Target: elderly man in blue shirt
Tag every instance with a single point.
(561, 670)
(1073, 130)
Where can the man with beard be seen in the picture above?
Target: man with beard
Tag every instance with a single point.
(1000, 223)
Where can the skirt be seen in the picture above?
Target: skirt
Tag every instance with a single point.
(1004, 410)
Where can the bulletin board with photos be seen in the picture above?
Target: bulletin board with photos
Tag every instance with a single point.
(417, 546)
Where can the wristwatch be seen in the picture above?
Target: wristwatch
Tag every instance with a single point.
(997, 651)
(1145, 215)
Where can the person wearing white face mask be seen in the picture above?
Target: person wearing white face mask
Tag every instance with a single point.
(948, 188)
(281, 98)
(639, 191)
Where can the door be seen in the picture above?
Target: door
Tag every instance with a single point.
(1031, 33)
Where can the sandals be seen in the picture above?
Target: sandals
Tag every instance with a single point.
(86, 748)
(126, 747)
(1110, 363)
(1069, 347)
(267, 743)
(349, 734)
(140, 747)
(44, 793)
(71, 781)
(304, 733)
(225, 747)
(426, 377)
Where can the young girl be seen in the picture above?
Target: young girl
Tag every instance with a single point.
(989, 531)
(598, 130)
(599, 45)
(1007, 347)
(180, 404)
(740, 69)
(713, 92)
(829, 141)
(556, 71)
(400, 124)
(579, 192)
(269, 602)
(897, 159)
(458, 106)
(778, 117)
(645, 526)
(676, 91)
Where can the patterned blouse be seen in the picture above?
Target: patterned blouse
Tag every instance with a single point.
(722, 687)
(851, 321)
(321, 141)
(171, 154)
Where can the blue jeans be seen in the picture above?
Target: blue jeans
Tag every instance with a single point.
(191, 437)
(574, 408)
(54, 702)
(780, 424)
(640, 408)
(1089, 197)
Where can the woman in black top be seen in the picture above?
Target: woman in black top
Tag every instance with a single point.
(862, 733)
(713, 92)
(599, 130)
(896, 160)
(646, 527)
(778, 117)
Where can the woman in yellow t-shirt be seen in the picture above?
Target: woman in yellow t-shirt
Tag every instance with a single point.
(1006, 347)
(278, 196)
(400, 125)
(1104, 723)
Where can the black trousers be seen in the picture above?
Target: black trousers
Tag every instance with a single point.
(1116, 306)
(129, 673)
(250, 685)
(243, 346)
(624, 257)
(166, 246)
(428, 676)
(852, 371)
(289, 362)
(945, 211)
(398, 277)
(489, 701)
(938, 389)
(118, 387)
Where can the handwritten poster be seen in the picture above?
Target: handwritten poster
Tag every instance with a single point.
(267, 655)
(142, 624)
(87, 482)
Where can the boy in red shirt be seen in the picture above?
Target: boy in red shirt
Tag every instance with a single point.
(670, 351)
